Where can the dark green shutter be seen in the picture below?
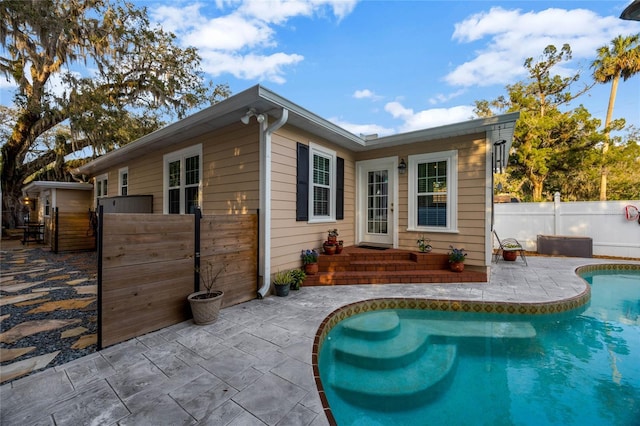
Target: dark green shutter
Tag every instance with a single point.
(340, 189)
(302, 183)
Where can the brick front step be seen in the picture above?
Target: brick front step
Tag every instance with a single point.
(365, 266)
(394, 277)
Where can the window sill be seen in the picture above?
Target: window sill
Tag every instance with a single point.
(328, 220)
(434, 230)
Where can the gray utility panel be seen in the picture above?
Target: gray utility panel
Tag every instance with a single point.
(127, 204)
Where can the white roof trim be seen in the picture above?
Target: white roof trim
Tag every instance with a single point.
(266, 101)
(40, 185)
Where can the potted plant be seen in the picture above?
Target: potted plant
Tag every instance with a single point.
(310, 261)
(329, 248)
(510, 251)
(424, 245)
(333, 236)
(205, 304)
(297, 277)
(456, 259)
(282, 282)
(339, 247)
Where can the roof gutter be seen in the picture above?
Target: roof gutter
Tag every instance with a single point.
(265, 199)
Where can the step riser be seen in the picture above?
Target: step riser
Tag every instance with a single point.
(395, 402)
(354, 266)
(421, 277)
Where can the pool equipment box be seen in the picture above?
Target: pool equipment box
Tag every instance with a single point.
(565, 245)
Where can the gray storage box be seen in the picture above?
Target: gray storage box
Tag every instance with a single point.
(127, 204)
(565, 245)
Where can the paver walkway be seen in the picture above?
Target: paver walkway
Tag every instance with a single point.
(251, 367)
(47, 308)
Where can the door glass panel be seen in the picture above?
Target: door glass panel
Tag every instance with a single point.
(378, 202)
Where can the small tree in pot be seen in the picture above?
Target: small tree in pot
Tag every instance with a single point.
(205, 304)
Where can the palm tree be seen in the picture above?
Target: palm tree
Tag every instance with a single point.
(620, 59)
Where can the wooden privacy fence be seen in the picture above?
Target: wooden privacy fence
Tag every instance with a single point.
(71, 231)
(146, 268)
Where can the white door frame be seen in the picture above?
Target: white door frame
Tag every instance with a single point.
(362, 169)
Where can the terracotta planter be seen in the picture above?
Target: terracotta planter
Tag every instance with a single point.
(329, 249)
(332, 240)
(457, 266)
(339, 248)
(509, 255)
(205, 309)
(311, 268)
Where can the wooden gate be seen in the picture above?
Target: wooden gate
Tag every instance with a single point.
(146, 268)
(70, 231)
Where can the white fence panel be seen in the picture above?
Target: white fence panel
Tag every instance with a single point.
(603, 221)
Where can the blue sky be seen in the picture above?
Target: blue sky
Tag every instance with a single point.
(392, 66)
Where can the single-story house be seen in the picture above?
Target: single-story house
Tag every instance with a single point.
(59, 214)
(306, 175)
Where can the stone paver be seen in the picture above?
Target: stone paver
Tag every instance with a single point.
(48, 303)
(251, 367)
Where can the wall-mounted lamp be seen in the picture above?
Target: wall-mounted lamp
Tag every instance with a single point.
(402, 167)
(250, 113)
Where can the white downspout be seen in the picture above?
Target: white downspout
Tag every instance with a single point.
(265, 199)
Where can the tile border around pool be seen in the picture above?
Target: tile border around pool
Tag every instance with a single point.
(451, 305)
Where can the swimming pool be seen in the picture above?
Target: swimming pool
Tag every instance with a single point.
(418, 366)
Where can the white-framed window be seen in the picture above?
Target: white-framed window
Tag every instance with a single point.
(123, 181)
(102, 188)
(433, 192)
(322, 184)
(182, 180)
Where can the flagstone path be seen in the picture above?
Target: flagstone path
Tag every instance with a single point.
(47, 308)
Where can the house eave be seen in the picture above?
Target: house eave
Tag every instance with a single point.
(497, 124)
(219, 115)
(41, 185)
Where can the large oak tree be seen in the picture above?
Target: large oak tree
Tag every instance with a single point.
(89, 74)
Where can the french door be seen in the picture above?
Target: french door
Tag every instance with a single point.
(377, 201)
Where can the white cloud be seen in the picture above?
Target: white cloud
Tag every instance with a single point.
(363, 129)
(428, 118)
(231, 32)
(366, 94)
(262, 67)
(513, 35)
(442, 98)
(240, 36)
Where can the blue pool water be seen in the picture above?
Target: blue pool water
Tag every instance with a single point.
(413, 367)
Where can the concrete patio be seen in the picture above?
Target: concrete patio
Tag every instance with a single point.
(251, 367)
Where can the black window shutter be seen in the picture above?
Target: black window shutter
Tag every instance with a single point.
(302, 183)
(340, 189)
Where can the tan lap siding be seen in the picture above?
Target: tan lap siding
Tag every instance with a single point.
(471, 194)
(230, 175)
(289, 236)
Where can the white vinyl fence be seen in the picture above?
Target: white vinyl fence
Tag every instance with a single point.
(603, 221)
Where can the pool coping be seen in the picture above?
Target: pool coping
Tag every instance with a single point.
(451, 305)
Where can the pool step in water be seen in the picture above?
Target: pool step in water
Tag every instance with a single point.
(403, 346)
(412, 384)
(487, 329)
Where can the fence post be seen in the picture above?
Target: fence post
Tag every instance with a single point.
(557, 204)
(56, 223)
(99, 278)
(197, 214)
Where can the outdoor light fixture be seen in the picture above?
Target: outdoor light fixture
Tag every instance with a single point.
(252, 113)
(402, 167)
(632, 12)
